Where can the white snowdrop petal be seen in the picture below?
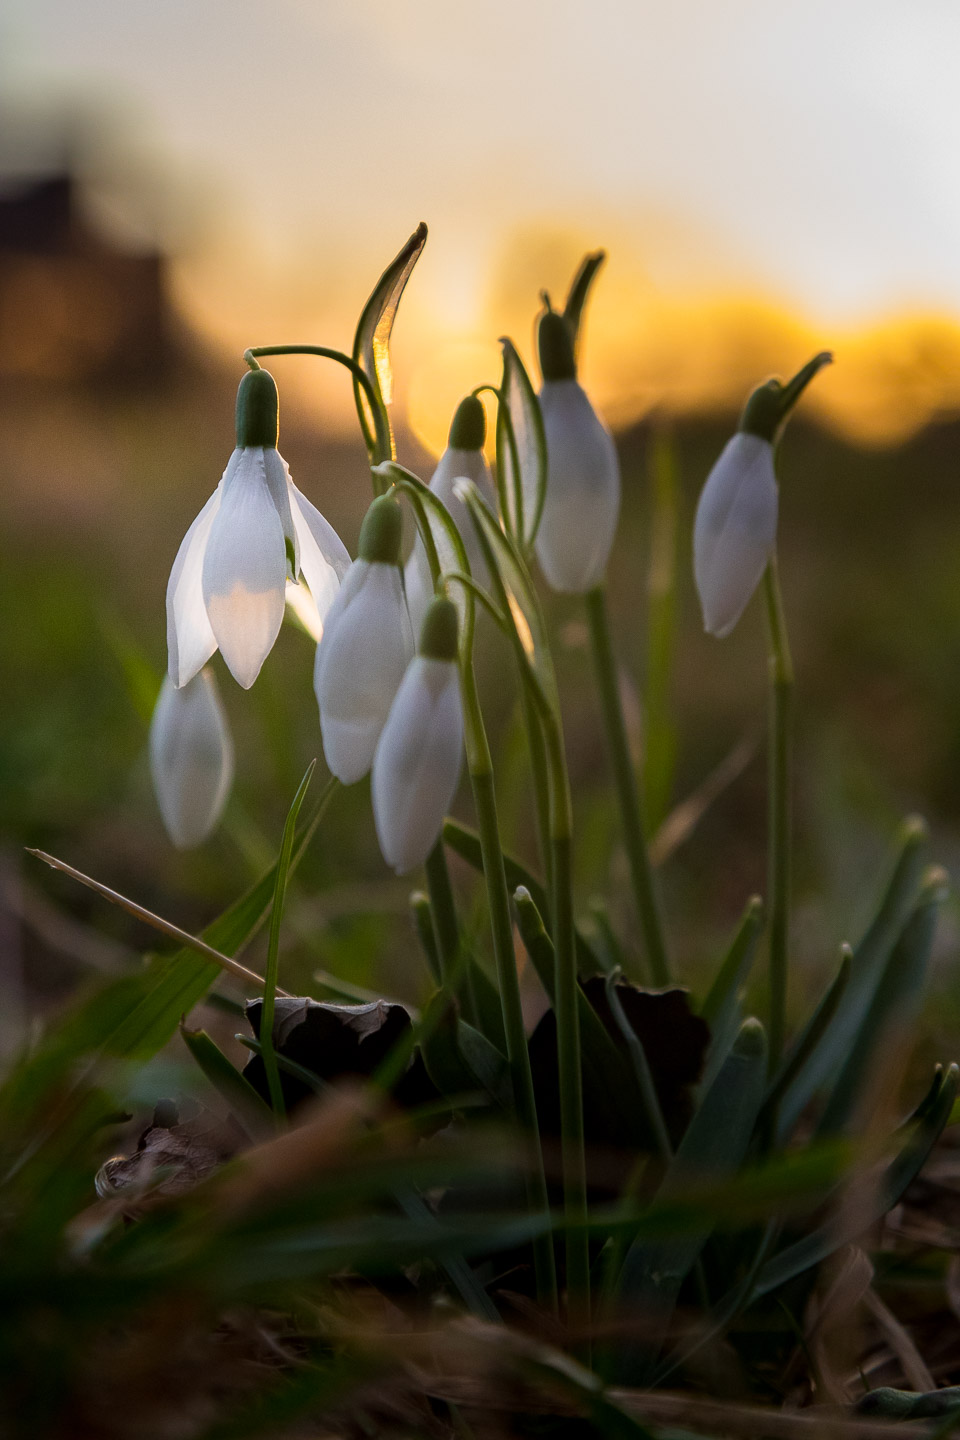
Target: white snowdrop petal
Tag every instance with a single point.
(324, 559)
(191, 758)
(190, 640)
(734, 530)
(417, 763)
(361, 660)
(452, 466)
(582, 502)
(244, 570)
(277, 475)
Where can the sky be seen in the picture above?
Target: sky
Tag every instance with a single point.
(768, 178)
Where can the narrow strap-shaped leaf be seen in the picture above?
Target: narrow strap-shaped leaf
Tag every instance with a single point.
(578, 292)
(465, 842)
(521, 450)
(849, 1222)
(371, 343)
(721, 1008)
(895, 1001)
(811, 1034)
(230, 1084)
(869, 959)
(714, 1145)
(422, 919)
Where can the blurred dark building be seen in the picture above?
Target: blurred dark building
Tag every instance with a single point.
(75, 309)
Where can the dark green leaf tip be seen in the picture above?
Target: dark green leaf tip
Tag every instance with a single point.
(914, 830)
(469, 428)
(258, 410)
(555, 347)
(381, 532)
(438, 634)
(770, 405)
(751, 1039)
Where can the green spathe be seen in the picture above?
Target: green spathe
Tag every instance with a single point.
(770, 404)
(438, 634)
(469, 428)
(555, 347)
(258, 411)
(381, 532)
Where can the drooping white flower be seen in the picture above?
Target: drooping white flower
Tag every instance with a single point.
(191, 758)
(366, 647)
(227, 584)
(463, 458)
(735, 530)
(418, 758)
(582, 503)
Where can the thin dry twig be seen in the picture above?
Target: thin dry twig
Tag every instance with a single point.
(183, 937)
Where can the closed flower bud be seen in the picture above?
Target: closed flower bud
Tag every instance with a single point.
(417, 764)
(582, 503)
(366, 646)
(735, 530)
(463, 457)
(227, 584)
(191, 758)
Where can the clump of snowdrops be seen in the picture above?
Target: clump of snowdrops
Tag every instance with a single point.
(645, 1182)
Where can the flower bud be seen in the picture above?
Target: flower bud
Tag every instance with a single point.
(582, 503)
(735, 530)
(191, 758)
(366, 646)
(417, 763)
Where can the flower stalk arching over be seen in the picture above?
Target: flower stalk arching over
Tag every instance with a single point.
(735, 528)
(582, 502)
(462, 459)
(366, 647)
(416, 767)
(227, 585)
(191, 758)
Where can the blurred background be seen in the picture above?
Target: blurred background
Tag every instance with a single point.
(180, 181)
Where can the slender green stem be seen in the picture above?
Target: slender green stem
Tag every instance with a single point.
(628, 790)
(541, 782)
(568, 1032)
(781, 698)
(383, 448)
(518, 1056)
(446, 928)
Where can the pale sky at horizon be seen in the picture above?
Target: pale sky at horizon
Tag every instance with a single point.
(805, 151)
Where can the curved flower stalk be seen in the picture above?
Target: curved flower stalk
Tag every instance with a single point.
(191, 758)
(366, 647)
(418, 759)
(227, 584)
(582, 503)
(463, 458)
(735, 528)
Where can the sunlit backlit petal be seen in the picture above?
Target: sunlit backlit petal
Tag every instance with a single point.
(582, 502)
(734, 530)
(324, 559)
(190, 640)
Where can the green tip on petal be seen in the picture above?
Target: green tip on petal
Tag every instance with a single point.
(555, 347)
(751, 1039)
(469, 428)
(381, 532)
(771, 403)
(258, 410)
(438, 634)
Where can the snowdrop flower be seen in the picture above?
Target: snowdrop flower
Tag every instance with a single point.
(582, 503)
(366, 647)
(417, 763)
(735, 528)
(463, 457)
(227, 584)
(191, 758)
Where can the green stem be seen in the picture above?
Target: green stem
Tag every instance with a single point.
(541, 783)
(627, 787)
(383, 449)
(568, 1033)
(501, 924)
(781, 697)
